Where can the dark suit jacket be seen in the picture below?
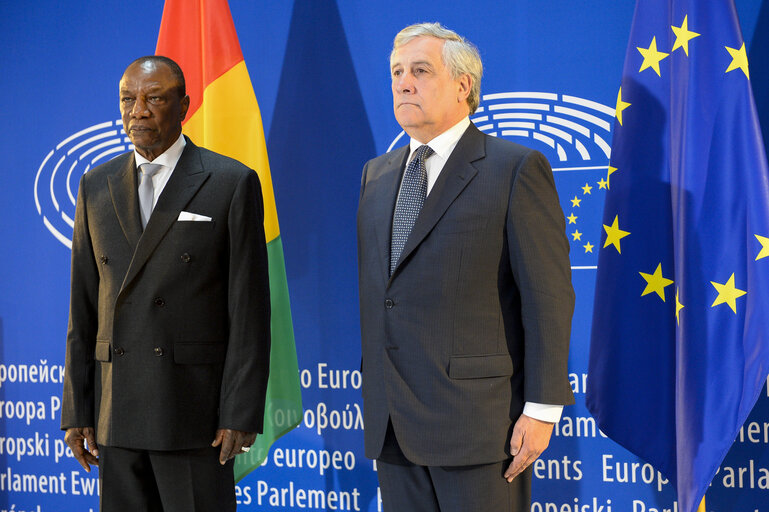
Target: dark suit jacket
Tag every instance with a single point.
(476, 318)
(169, 329)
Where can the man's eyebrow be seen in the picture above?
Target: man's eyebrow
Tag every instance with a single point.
(424, 63)
(151, 89)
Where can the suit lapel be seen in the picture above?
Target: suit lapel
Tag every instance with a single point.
(123, 189)
(454, 177)
(385, 207)
(188, 176)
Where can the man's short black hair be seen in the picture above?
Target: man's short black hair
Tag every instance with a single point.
(172, 65)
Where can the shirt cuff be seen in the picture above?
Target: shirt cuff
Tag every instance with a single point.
(543, 412)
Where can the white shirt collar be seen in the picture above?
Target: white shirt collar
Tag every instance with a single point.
(169, 158)
(444, 143)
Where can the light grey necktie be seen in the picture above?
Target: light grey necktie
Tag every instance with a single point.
(410, 200)
(147, 190)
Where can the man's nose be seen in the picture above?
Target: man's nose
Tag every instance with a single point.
(140, 108)
(404, 83)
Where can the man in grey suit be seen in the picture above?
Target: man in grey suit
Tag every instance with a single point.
(465, 294)
(168, 343)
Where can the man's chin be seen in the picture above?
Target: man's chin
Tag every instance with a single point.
(408, 121)
(145, 143)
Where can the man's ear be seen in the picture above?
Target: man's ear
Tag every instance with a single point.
(465, 84)
(185, 103)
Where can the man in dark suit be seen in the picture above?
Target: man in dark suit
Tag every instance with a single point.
(169, 331)
(465, 294)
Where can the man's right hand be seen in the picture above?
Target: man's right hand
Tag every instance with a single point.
(76, 438)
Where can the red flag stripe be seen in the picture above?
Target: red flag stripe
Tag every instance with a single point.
(202, 40)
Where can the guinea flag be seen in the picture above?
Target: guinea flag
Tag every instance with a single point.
(224, 117)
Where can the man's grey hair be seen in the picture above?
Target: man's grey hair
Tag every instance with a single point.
(460, 56)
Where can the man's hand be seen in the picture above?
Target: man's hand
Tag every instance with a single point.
(75, 439)
(232, 443)
(530, 438)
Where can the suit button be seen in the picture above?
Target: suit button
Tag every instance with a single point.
(158, 351)
(118, 351)
(186, 258)
(159, 301)
(104, 260)
(389, 303)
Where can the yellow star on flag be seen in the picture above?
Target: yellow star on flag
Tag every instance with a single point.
(727, 294)
(611, 171)
(652, 57)
(572, 218)
(683, 36)
(614, 234)
(603, 184)
(679, 307)
(575, 202)
(588, 247)
(586, 189)
(739, 60)
(577, 235)
(764, 247)
(621, 105)
(656, 283)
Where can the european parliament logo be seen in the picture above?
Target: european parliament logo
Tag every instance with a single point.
(575, 135)
(59, 174)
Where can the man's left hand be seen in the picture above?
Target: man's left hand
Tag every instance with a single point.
(530, 438)
(232, 443)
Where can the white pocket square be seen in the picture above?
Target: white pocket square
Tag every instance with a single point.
(187, 216)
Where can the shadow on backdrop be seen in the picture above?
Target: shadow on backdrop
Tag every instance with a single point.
(319, 139)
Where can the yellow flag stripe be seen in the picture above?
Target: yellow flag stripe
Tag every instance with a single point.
(229, 122)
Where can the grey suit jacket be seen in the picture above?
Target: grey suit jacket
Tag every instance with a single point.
(169, 329)
(476, 318)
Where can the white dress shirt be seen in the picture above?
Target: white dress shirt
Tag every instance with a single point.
(167, 161)
(443, 145)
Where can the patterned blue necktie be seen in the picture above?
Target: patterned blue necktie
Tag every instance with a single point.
(410, 200)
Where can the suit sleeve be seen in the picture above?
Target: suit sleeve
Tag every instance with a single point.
(247, 363)
(363, 178)
(539, 257)
(78, 394)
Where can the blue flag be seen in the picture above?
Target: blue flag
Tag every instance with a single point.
(680, 339)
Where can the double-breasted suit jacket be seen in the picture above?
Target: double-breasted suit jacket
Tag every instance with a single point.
(476, 318)
(169, 328)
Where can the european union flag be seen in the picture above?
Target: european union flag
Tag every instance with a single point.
(680, 339)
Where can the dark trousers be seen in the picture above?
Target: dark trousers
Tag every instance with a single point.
(407, 487)
(158, 481)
